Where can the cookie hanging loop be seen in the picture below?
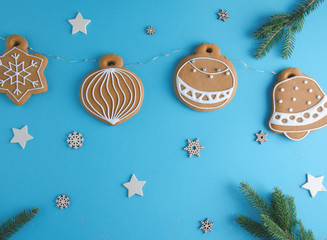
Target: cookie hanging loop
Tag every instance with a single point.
(16, 41)
(289, 73)
(111, 61)
(208, 49)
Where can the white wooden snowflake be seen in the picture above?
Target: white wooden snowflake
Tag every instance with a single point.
(63, 201)
(261, 137)
(206, 225)
(223, 15)
(75, 140)
(193, 147)
(150, 30)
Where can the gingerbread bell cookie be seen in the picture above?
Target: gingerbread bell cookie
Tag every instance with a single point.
(21, 72)
(299, 105)
(206, 80)
(112, 93)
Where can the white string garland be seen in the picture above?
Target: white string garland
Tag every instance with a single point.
(143, 63)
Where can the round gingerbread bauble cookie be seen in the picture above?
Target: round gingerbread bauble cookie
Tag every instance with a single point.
(206, 80)
(112, 93)
(299, 105)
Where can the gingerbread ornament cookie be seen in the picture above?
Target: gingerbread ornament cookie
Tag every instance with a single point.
(112, 93)
(299, 105)
(21, 72)
(206, 80)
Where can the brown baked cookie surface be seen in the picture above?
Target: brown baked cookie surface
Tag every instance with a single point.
(299, 105)
(21, 72)
(206, 80)
(112, 94)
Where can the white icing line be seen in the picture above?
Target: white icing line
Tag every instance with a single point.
(207, 73)
(128, 107)
(126, 114)
(93, 95)
(101, 94)
(114, 112)
(124, 97)
(86, 100)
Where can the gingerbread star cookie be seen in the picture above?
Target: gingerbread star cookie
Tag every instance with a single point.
(21, 72)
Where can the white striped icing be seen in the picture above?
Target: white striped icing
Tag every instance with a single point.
(114, 77)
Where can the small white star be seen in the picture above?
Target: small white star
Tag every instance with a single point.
(223, 15)
(314, 185)
(79, 23)
(21, 136)
(134, 186)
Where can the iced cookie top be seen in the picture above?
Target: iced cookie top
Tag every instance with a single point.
(296, 94)
(206, 74)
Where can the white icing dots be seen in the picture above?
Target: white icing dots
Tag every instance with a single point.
(193, 61)
(218, 69)
(305, 81)
(310, 90)
(210, 76)
(227, 73)
(294, 99)
(280, 101)
(282, 89)
(204, 69)
(296, 88)
(290, 109)
(194, 70)
(318, 96)
(308, 102)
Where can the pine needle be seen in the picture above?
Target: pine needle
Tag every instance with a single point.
(283, 26)
(14, 224)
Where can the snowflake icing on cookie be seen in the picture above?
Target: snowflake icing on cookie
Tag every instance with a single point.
(19, 73)
(63, 201)
(193, 147)
(75, 140)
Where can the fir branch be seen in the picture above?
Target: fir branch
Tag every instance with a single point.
(278, 221)
(287, 25)
(14, 224)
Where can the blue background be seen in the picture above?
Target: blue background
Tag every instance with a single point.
(180, 191)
